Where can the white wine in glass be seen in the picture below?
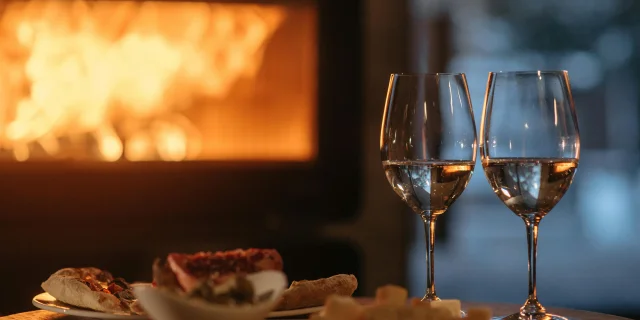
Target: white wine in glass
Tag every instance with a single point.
(428, 147)
(530, 147)
(428, 185)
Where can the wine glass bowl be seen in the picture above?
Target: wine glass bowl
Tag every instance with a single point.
(428, 147)
(428, 186)
(530, 187)
(530, 149)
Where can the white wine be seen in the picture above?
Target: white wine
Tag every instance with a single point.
(428, 186)
(530, 185)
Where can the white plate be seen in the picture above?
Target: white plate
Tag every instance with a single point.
(165, 305)
(295, 312)
(45, 301)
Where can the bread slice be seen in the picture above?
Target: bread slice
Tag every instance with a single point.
(313, 293)
(73, 291)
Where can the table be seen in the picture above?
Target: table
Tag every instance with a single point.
(499, 309)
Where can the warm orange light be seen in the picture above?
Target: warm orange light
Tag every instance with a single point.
(143, 81)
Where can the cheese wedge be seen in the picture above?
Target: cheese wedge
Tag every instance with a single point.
(342, 308)
(391, 295)
(452, 306)
(478, 314)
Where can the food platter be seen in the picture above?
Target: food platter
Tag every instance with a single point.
(238, 284)
(46, 302)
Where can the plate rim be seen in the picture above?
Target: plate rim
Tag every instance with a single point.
(295, 312)
(75, 311)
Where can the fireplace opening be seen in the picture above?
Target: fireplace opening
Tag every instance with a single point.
(157, 81)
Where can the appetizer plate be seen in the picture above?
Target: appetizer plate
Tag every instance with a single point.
(45, 301)
(167, 306)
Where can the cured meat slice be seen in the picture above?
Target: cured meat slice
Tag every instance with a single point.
(191, 269)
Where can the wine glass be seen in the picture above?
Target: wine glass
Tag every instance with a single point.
(428, 147)
(530, 146)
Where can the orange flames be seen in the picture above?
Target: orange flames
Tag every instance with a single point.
(113, 79)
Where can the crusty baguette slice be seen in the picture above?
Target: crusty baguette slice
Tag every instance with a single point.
(305, 293)
(73, 291)
(100, 275)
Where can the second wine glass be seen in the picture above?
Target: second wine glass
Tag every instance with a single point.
(428, 147)
(530, 150)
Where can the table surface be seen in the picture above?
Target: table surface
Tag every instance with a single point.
(499, 309)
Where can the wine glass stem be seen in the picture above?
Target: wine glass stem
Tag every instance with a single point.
(532, 306)
(429, 220)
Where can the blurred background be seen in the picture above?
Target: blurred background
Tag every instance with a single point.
(588, 244)
(130, 129)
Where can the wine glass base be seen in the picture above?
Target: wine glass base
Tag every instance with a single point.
(538, 316)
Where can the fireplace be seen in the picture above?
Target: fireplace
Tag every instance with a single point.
(133, 128)
(157, 81)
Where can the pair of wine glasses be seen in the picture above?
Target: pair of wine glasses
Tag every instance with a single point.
(529, 147)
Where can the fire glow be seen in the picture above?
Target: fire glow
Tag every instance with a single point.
(113, 79)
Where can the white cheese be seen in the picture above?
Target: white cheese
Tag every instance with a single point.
(391, 295)
(452, 306)
(342, 308)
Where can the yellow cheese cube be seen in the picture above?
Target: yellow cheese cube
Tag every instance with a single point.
(440, 314)
(380, 312)
(342, 308)
(406, 313)
(391, 295)
(452, 306)
(479, 314)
